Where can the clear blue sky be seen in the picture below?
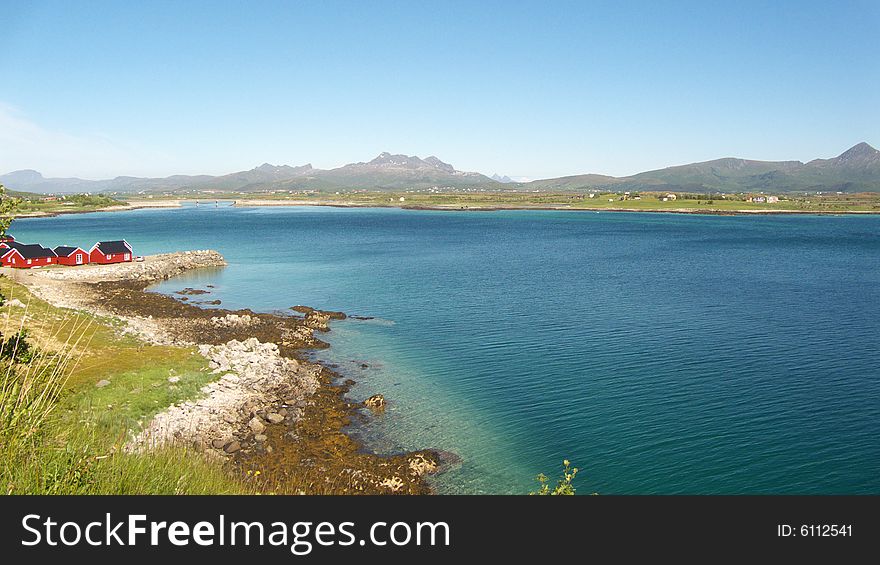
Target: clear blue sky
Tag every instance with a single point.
(536, 89)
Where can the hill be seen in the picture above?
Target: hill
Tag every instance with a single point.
(855, 170)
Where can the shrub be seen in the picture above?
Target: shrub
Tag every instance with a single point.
(563, 485)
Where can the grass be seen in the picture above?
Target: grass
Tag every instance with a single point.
(826, 202)
(69, 203)
(63, 435)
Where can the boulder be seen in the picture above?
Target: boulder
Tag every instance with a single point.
(375, 402)
(274, 418)
(256, 425)
(232, 447)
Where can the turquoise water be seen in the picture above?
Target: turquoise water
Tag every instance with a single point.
(660, 353)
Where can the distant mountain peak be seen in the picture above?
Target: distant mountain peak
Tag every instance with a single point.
(858, 151)
(386, 159)
(24, 176)
(503, 179)
(270, 168)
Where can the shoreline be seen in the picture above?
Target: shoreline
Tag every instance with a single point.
(120, 208)
(258, 203)
(247, 203)
(270, 409)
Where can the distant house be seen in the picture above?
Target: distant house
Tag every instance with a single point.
(105, 252)
(68, 255)
(22, 256)
(758, 199)
(671, 196)
(772, 199)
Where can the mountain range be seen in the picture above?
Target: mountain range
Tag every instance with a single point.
(855, 170)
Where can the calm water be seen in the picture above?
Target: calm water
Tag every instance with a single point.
(660, 353)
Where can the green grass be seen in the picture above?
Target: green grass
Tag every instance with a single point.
(71, 442)
(650, 201)
(70, 203)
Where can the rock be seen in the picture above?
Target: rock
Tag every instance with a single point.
(260, 438)
(274, 418)
(173, 380)
(219, 443)
(256, 425)
(232, 447)
(102, 383)
(191, 291)
(375, 402)
(421, 464)
(16, 303)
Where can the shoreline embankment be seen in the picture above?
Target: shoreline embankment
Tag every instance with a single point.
(270, 406)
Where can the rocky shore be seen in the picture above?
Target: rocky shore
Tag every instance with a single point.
(270, 409)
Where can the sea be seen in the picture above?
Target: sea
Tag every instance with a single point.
(659, 353)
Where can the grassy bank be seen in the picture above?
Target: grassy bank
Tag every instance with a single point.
(63, 434)
(647, 201)
(74, 203)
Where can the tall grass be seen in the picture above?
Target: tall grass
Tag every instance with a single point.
(50, 445)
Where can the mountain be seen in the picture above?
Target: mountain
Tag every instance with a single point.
(855, 170)
(395, 172)
(31, 181)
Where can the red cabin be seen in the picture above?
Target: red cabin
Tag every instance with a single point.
(68, 255)
(105, 252)
(23, 256)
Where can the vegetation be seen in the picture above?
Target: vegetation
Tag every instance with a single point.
(61, 434)
(563, 486)
(640, 201)
(38, 203)
(8, 207)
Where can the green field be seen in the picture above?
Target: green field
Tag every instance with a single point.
(826, 203)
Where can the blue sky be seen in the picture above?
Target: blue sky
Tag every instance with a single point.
(535, 89)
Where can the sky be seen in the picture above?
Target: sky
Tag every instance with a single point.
(530, 89)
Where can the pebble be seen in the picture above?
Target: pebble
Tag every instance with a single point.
(275, 418)
(260, 438)
(102, 383)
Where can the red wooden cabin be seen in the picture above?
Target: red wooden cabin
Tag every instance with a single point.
(105, 252)
(23, 256)
(68, 255)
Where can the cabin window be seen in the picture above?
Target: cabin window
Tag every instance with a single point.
(127, 257)
(48, 260)
(79, 258)
(29, 261)
(107, 256)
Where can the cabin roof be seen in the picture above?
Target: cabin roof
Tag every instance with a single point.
(67, 250)
(111, 247)
(31, 250)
